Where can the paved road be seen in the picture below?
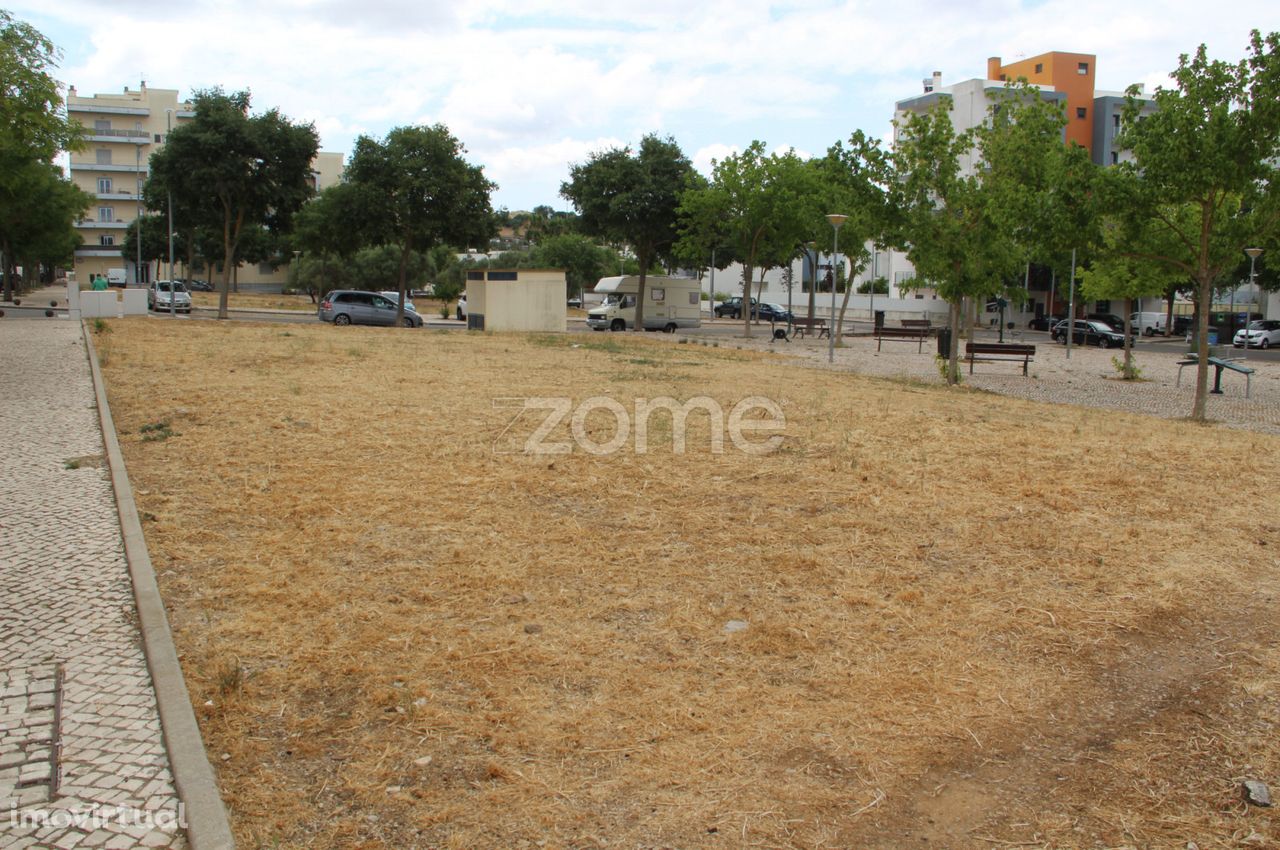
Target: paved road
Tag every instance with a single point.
(82, 761)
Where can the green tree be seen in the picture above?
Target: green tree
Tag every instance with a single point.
(418, 192)
(39, 232)
(856, 179)
(34, 127)
(1205, 172)
(235, 171)
(634, 199)
(761, 206)
(583, 261)
(955, 238)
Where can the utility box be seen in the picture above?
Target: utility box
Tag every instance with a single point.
(516, 300)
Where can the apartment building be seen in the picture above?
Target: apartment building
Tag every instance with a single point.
(122, 131)
(1094, 120)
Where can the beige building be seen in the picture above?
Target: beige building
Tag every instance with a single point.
(122, 131)
(516, 300)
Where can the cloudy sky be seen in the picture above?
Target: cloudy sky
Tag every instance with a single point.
(533, 86)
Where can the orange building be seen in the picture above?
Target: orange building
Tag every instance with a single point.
(1069, 73)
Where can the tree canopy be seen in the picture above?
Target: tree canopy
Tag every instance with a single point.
(415, 190)
(234, 171)
(1203, 180)
(633, 198)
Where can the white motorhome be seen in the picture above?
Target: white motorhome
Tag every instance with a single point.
(669, 303)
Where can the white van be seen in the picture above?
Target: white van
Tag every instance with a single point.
(1148, 324)
(669, 303)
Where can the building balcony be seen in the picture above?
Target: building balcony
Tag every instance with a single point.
(106, 109)
(90, 224)
(116, 196)
(131, 168)
(137, 137)
(99, 251)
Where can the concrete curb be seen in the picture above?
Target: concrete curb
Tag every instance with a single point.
(207, 824)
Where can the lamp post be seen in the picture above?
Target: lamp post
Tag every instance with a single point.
(837, 221)
(173, 284)
(711, 288)
(1253, 253)
(137, 216)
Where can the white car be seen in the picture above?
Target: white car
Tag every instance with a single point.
(462, 309)
(394, 298)
(1261, 334)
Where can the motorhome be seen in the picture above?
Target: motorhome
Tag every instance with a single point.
(669, 303)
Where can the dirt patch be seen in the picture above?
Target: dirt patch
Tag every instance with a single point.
(397, 634)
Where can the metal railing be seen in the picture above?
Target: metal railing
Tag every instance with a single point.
(124, 134)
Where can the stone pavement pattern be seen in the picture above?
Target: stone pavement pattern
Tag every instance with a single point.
(82, 760)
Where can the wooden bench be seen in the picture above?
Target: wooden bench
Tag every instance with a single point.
(908, 334)
(987, 352)
(804, 325)
(918, 323)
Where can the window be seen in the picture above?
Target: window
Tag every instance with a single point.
(106, 241)
(104, 156)
(659, 295)
(1083, 69)
(1115, 122)
(102, 125)
(695, 298)
(1039, 67)
(106, 214)
(104, 185)
(1082, 112)
(265, 268)
(1115, 158)
(503, 276)
(475, 275)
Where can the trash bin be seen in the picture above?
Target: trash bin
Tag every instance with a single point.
(879, 319)
(944, 342)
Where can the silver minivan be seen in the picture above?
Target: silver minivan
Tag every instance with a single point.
(356, 307)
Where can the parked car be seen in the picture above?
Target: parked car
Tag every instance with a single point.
(1181, 325)
(161, 292)
(1044, 323)
(732, 308)
(774, 313)
(394, 297)
(575, 301)
(462, 309)
(197, 285)
(1111, 320)
(353, 307)
(1090, 333)
(1262, 334)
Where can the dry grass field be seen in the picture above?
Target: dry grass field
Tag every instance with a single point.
(971, 621)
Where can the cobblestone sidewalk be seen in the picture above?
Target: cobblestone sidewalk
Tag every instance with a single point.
(82, 760)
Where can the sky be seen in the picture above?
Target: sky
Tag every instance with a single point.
(535, 86)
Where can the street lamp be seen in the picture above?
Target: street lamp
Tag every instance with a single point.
(837, 221)
(1253, 253)
(173, 285)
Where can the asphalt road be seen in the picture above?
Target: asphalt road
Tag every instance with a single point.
(718, 328)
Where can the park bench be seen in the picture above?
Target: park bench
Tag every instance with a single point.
(1219, 364)
(806, 325)
(918, 323)
(987, 352)
(919, 335)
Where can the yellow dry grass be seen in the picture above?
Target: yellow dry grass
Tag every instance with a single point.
(396, 635)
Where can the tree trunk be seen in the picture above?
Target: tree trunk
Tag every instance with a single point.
(643, 256)
(844, 305)
(813, 287)
(747, 271)
(760, 294)
(953, 350)
(5, 253)
(1204, 297)
(1129, 372)
(404, 264)
(1168, 320)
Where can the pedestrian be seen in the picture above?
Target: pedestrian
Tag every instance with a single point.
(97, 282)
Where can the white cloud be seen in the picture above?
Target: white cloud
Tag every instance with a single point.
(534, 85)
